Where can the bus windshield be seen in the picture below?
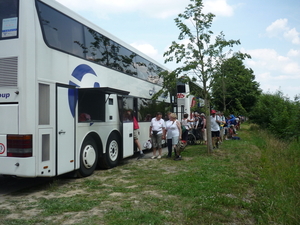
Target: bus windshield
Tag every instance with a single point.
(9, 14)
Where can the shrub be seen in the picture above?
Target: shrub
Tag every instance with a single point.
(278, 114)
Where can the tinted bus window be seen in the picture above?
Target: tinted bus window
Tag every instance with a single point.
(127, 61)
(142, 68)
(60, 31)
(9, 17)
(148, 71)
(65, 34)
(94, 46)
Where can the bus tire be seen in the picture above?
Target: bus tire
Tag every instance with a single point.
(88, 158)
(113, 149)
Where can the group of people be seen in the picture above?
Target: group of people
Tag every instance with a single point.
(170, 130)
(176, 132)
(159, 130)
(222, 128)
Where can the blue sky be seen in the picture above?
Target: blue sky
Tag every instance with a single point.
(269, 31)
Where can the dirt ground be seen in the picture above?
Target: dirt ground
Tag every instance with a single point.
(19, 196)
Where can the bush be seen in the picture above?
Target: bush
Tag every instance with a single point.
(277, 114)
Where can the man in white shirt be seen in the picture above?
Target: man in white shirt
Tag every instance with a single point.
(215, 128)
(157, 133)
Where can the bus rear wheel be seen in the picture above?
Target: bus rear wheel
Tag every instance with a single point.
(88, 158)
(111, 157)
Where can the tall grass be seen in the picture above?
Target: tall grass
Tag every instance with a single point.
(278, 191)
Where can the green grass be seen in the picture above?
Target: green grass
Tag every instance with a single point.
(279, 188)
(251, 181)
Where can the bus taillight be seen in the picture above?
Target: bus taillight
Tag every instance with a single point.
(19, 145)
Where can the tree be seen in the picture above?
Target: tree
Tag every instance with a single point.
(199, 56)
(234, 88)
(278, 114)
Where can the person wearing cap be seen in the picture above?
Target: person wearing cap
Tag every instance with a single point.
(215, 128)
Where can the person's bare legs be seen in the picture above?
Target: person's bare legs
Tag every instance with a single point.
(214, 142)
(160, 151)
(154, 151)
(138, 144)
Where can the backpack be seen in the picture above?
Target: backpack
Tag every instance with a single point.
(183, 128)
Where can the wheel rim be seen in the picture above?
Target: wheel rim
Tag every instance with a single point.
(89, 156)
(113, 150)
(191, 139)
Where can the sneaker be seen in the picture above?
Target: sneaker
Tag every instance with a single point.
(178, 158)
(159, 157)
(153, 157)
(141, 156)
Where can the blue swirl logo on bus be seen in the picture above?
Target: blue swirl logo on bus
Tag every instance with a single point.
(79, 73)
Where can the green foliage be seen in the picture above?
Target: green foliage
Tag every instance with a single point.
(277, 114)
(198, 57)
(201, 57)
(234, 88)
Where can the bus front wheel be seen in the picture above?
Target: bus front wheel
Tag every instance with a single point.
(88, 158)
(111, 157)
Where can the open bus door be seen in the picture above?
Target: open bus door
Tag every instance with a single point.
(126, 123)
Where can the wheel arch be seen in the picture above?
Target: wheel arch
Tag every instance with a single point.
(97, 140)
(119, 136)
(104, 161)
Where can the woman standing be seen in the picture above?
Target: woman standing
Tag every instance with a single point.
(185, 123)
(174, 132)
(203, 128)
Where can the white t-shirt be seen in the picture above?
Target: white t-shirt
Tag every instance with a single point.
(185, 123)
(214, 125)
(157, 125)
(172, 129)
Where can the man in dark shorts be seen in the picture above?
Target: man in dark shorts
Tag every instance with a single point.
(215, 128)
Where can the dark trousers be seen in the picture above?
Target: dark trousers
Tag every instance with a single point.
(185, 135)
(169, 144)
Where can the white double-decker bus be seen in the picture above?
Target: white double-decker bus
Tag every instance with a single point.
(68, 90)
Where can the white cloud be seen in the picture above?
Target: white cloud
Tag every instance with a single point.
(293, 53)
(277, 27)
(292, 68)
(146, 49)
(270, 60)
(274, 71)
(280, 28)
(293, 36)
(218, 7)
